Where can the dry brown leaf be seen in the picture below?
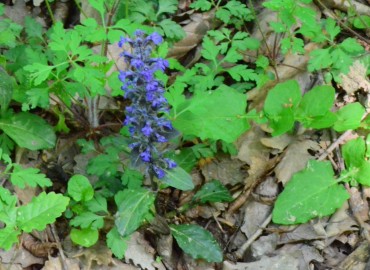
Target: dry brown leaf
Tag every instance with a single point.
(255, 214)
(195, 31)
(279, 142)
(250, 147)
(55, 263)
(37, 248)
(295, 159)
(141, 253)
(19, 256)
(346, 5)
(283, 262)
(227, 170)
(356, 79)
(308, 231)
(341, 222)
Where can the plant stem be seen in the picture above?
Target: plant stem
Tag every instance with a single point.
(50, 11)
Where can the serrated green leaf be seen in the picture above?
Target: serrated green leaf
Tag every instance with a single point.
(117, 244)
(39, 72)
(41, 211)
(350, 45)
(349, 117)
(213, 191)
(239, 72)
(312, 192)
(203, 5)
(98, 5)
(354, 153)
(8, 237)
(29, 131)
(280, 104)
(132, 179)
(29, 177)
(88, 220)
(133, 206)
(6, 89)
(202, 116)
(178, 178)
(171, 29)
(32, 27)
(6, 144)
(319, 59)
(167, 6)
(331, 28)
(85, 237)
(80, 188)
(197, 242)
(209, 50)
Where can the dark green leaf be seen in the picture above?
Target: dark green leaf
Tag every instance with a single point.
(197, 242)
(133, 206)
(178, 178)
(29, 131)
(6, 89)
(213, 191)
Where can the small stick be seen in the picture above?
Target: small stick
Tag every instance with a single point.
(240, 252)
(57, 240)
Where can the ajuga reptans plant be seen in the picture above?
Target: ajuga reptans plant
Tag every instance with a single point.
(145, 116)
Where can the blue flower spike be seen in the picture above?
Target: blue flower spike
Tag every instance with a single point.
(145, 116)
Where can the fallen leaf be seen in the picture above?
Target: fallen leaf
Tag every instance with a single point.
(295, 159)
(356, 79)
(55, 263)
(255, 214)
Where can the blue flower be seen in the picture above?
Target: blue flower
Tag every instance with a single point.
(144, 117)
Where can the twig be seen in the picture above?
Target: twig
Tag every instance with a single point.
(60, 249)
(240, 252)
(339, 140)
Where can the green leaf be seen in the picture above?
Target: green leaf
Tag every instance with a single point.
(85, 237)
(239, 72)
(203, 5)
(312, 192)
(79, 188)
(133, 206)
(184, 158)
(197, 242)
(178, 178)
(6, 89)
(309, 110)
(332, 29)
(39, 72)
(210, 50)
(132, 179)
(349, 117)
(117, 244)
(362, 22)
(30, 177)
(33, 28)
(354, 153)
(98, 5)
(29, 131)
(41, 211)
(8, 237)
(167, 6)
(6, 144)
(319, 59)
(350, 45)
(280, 104)
(97, 204)
(88, 220)
(203, 117)
(213, 191)
(171, 29)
